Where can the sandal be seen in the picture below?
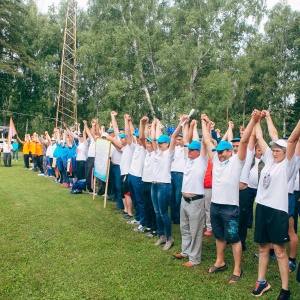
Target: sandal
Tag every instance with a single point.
(214, 269)
(235, 278)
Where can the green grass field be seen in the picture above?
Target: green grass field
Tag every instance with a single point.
(55, 245)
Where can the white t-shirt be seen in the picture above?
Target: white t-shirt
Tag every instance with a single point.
(126, 159)
(116, 155)
(178, 162)
(244, 178)
(253, 175)
(297, 186)
(193, 175)
(225, 180)
(7, 148)
(82, 151)
(137, 163)
(148, 167)
(275, 195)
(162, 166)
(92, 148)
(50, 150)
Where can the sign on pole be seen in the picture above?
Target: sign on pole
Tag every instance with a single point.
(102, 162)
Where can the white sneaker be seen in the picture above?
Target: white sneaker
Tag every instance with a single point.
(134, 221)
(169, 243)
(41, 174)
(161, 240)
(140, 228)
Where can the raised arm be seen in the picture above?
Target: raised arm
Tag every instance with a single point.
(292, 141)
(206, 138)
(87, 130)
(153, 133)
(255, 117)
(273, 133)
(176, 132)
(114, 123)
(143, 124)
(127, 120)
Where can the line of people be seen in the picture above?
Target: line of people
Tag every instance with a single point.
(211, 183)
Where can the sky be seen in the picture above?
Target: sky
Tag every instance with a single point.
(44, 4)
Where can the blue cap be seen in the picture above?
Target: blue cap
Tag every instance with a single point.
(122, 136)
(121, 128)
(236, 139)
(180, 134)
(223, 145)
(110, 130)
(194, 145)
(163, 139)
(137, 134)
(148, 139)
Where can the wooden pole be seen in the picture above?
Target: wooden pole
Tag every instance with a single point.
(107, 176)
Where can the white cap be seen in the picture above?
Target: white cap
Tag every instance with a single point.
(104, 134)
(280, 142)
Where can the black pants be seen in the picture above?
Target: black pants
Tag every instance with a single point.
(89, 173)
(150, 217)
(40, 163)
(7, 159)
(80, 169)
(252, 194)
(243, 201)
(26, 160)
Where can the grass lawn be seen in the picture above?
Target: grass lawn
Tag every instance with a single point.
(54, 245)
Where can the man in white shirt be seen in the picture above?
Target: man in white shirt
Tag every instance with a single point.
(225, 195)
(192, 204)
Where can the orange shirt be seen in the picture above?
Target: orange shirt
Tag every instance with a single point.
(26, 147)
(39, 148)
(32, 147)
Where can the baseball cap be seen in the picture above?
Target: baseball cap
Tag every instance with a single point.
(223, 145)
(194, 145)
(163, 139)
(149, 139)
(104, 134)
(122, 135)
(110, 130)
(280, 142)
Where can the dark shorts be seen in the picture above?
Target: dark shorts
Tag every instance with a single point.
(292, 204)
(125, 185)
(271, 225)
(225, 222)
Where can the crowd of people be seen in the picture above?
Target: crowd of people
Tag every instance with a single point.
(202, 182)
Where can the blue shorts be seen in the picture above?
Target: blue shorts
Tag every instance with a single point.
(225, 222)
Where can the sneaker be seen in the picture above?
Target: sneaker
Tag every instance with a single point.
(122, 213)
(147, 230)
(140, 228)
(127, 217)
(41, 174)
(134, 221)
(208, 233)
(151, 235)
(92, 193)
(260, 288)
(284, 295)
(293, 266)
(169, 243)
(161, 240)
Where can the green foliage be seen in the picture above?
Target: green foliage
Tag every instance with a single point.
(155, 58)
(55, 245)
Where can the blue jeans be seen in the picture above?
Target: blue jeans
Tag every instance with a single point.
(161, 194)
(136, 194)
(175, 202)
(117, 176)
